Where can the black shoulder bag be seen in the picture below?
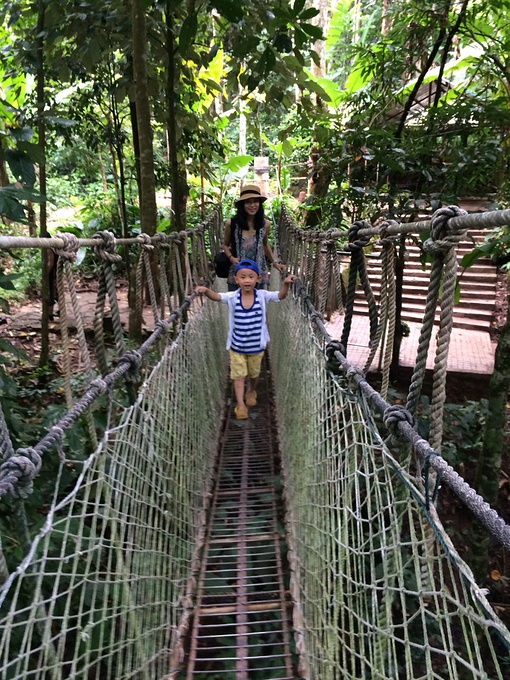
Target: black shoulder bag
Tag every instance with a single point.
(221, 265)
(221, 262)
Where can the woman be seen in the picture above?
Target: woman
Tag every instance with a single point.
(246, 235)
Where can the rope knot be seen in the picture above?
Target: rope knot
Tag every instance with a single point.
(106, 249)
(385, 238)
(332, 362)
(32, 455)
(163, 324)
(396, 414)
(100, 385)
(357, 242)
(70, 247)
(443, 235)
(18, 472)
(164, 240)
(335, 346)
(315, 316)
(145, 241)
(134, 360)
(352, 373)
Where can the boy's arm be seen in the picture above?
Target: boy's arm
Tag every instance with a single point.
(282, 293)
(211, 294)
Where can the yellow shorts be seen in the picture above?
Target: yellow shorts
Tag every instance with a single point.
(242, 365)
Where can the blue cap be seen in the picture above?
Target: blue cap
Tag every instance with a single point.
(247, 264)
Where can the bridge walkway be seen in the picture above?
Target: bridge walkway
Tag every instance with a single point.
(241, 622)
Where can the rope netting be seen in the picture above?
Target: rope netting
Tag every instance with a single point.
(181, 261)
(98, 550)
(102, 586)
(106, 581)
(376, 593)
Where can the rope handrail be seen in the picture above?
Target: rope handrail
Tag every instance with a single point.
(482, 220)
(56, 242)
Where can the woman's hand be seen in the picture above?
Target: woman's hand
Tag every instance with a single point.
(235, 260)
(280, 266)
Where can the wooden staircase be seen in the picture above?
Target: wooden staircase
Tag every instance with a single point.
(474, 311)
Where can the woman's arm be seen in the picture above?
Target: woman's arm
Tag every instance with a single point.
(268, 251)
(227, 239)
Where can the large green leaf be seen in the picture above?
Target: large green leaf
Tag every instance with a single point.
(231, 10)
(187, 33)
(481, 250)
(7, 346)
(10, 207)
(34, 151)
(7, 279)
(357, 79)
(236, 162)
(21, 166)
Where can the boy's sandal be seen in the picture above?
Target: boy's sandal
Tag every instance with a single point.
(241, 412)
(251, 398)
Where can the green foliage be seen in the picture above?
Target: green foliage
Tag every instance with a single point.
(496, 244)
(463, 429)
(19, 155)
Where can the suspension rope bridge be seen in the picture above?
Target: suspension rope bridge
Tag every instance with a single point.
(188, 544)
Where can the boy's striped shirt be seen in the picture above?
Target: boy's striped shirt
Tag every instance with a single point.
(247, 327)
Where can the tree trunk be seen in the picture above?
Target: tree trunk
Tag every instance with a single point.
(242, 124)
(103, 173)
(446, 51)
(178, 182)
(419, 81)
(489, 463)
(319, 46)
(318, 185)
(136, 143)
(43, 231)
(148, 209)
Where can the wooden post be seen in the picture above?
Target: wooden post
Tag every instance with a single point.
(261, 173)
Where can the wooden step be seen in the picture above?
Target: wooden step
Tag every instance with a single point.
(465, 322)
(477, 286)
(419, 302)
(468, 290)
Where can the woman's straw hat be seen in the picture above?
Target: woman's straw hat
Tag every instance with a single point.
(250, 191)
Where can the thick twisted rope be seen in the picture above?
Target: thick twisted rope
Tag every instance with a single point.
(108, 256)
(358, 267)
(387, 309)
(447, 239)
(441, 243)
(6, 448)
(164, 287)
(147, 248)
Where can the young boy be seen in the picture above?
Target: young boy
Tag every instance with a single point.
(248, 334)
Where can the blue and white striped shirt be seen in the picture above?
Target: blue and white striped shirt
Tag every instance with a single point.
(247, 326)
